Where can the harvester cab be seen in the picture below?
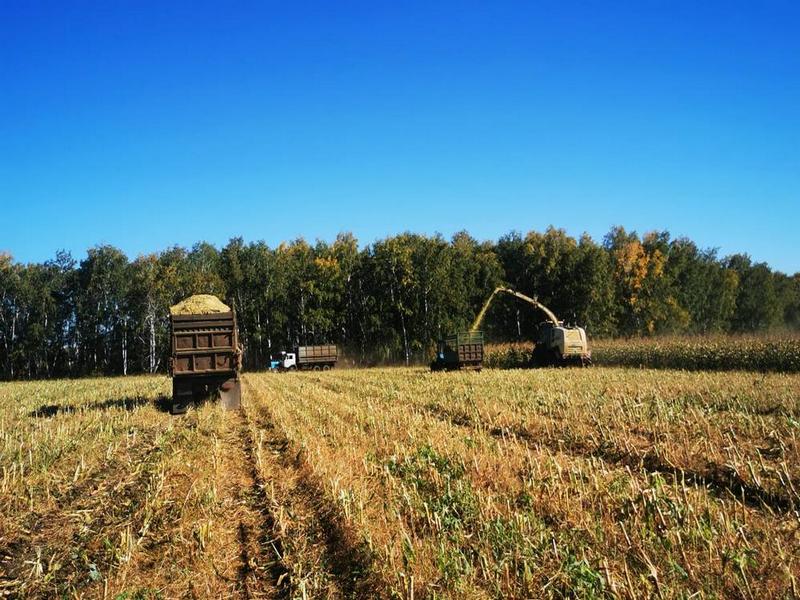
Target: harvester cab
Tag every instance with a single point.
(288, 361)
(284, 361)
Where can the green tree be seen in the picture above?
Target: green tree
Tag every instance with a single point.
(757, 303)
(591, 289)
(102, 320)
(394, 282)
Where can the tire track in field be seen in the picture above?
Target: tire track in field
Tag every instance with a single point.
(199, 545)
(347, 563)
(255, 537)
(722, 482)
(340, 404)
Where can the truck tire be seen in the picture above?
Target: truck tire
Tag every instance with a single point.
(326, 367)
(317, 368)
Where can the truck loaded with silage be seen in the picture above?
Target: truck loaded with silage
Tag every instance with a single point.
(206, 357)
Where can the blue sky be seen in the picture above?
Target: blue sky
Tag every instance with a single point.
(305, 119)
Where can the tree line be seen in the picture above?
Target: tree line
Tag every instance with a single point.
(386, 302)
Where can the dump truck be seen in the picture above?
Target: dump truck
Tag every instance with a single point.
(306, 358)
(555, 342)
(462, 350)
(206, 357)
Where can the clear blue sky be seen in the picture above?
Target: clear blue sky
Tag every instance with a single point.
(298, 119)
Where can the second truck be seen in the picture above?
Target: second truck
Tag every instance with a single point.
(307, 358)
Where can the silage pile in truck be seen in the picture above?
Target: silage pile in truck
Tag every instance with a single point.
(206, 358)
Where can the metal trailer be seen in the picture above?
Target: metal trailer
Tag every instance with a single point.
(462, 350)
(206, 360)
(307, 358)
(317, 358)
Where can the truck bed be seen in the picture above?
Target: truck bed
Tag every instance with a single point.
(462, 350)
(465, 347)
(317, 354)
(204, 344)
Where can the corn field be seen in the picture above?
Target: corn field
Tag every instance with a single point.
(721, 353)
(401, 483)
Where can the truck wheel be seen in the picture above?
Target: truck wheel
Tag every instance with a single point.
(317, 368)
(326, 367)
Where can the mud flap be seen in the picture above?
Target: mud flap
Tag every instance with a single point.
(230, 394)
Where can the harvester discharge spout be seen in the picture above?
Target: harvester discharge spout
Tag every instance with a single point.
(479, 319)
(532, 301)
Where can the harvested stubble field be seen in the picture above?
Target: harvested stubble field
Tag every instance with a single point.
(404, 483)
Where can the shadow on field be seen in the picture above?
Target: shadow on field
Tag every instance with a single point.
(129, 403)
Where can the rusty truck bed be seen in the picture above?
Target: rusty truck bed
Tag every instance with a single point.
(204, 344)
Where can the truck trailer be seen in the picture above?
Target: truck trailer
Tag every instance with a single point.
(206, 358)
(462, 350)
(306, 358)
